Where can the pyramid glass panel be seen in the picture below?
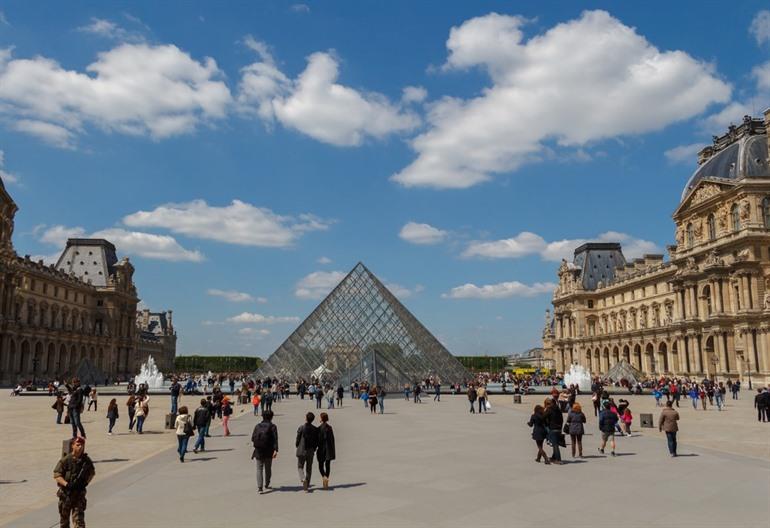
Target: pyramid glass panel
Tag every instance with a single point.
(360, 331)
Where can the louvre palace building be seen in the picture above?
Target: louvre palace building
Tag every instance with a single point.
(54, 319)
(705, 311)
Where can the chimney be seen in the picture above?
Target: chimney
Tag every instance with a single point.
(169, 317)
(145, 318)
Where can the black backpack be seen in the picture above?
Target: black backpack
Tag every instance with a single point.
(262, 438)
(310, 434)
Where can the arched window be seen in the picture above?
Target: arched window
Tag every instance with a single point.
(712, 227)
(766, 211)
(690, 236)
(735, 215)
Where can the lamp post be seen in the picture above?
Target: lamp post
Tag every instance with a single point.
(715, 362)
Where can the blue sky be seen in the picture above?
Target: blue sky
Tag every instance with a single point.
(245, 155)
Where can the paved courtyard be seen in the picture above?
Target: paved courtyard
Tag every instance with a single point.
(417, 465)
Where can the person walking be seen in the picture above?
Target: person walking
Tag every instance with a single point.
(761, 402)
(472, 398)
(92, 400)
(437, 391)
(265, 441)
(131, 404)
(719, 396)
(112, 414)
(372, 400)
(553, 423)
(184, 430)
(381, 393)
(330, 395)
(481, 394)
(627, 419)
(227, 411)
(539, 432)
(58, 406)
(72, 474)
(255, 402)
(575, 420)
(326, 449)
(340, 394)
(75, 407)
(201, 421)
(407, 390)
(306, 444)
(319, 394)
(693, 393)
(607, 422)
(667, 423)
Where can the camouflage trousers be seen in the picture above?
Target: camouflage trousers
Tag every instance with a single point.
(73, 506)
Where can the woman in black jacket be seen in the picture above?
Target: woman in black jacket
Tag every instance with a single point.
(326, 450)
(553, 422)
(539, 432)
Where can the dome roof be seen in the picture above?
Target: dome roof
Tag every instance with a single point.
(745, 158)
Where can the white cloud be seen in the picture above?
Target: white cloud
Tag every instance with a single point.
(499, 291)
(760, 27)
(134, 89)
(110, 30)
(6, 176)
(132, 243)
(300, 8)
(230, 295)
(315, 104)
(248, 331)
(148, 245)
(324, 260)
(761, 74)
(255, 318)
(262, 300)
(47, 259)
(423, 234)
(580, 82)
(684, 153)
(238, 223)
(402, 292)
(4, 19)
(317, 284)
(525, 244)
(414, 94)
(54, 135)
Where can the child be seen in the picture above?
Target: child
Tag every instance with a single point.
(657, 395)
(255, 402)
(627, 419)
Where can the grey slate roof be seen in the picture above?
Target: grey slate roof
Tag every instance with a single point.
(597, 262)
(91, 259)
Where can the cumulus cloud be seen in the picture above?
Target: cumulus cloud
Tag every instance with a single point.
(684, 153)
(525, 244)
(255, 318)
(248, 331)
(4, 19)
(6, 176)
(300, 8)
(318, 284)
(501, 290)
(104, 28)
(423, 234)
(315, 104)
(230, 295)
(760, 27)
(238, 223)
(324, 260)
(402, 292)
(135, 89)
(414, 94)
(132, 243)
(580, 82)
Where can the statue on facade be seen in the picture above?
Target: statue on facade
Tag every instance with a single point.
(745, 211)
(669, 314)
(679, 237)
(698, 229)
(642, 319)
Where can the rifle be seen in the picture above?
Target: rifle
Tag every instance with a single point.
(79, 482)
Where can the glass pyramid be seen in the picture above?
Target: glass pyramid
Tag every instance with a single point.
(361, 332)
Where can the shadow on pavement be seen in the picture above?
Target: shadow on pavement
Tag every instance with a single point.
(688, 455)
(217, 450)
(108, 460)
(201, 459)
(343, 486)
(12, 481)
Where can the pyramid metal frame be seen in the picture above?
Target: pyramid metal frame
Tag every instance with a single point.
(361, 331)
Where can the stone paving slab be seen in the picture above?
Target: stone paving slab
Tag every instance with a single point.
(434, 464)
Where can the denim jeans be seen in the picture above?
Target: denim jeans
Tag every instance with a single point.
(553, 437)
(671, 438)
(695, 403)
(200, 443)
(174, 403)
(719, 400)
(139, 423)
(381, 402)
(131, 420)
(473, 410)
(58, 416)
(76, 424)
(482, 404)
(112, 423)
(182, 449)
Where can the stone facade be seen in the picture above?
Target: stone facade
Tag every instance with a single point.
(703, 312)
(54, 316)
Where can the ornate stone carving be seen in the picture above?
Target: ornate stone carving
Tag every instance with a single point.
(704, 192)
(713, 258)
(723, 216)
(698, 229)
(679, 237)
(745, 211)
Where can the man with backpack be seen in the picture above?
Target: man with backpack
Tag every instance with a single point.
(306, 444)
(265, 440)
(607, 422)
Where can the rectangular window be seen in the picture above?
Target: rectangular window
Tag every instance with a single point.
(590, 304)
(32, 285)
(56, 291)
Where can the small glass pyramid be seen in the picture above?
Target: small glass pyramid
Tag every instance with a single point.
(361, 332)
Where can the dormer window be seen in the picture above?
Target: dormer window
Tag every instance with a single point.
(735, 216)
(712, 227)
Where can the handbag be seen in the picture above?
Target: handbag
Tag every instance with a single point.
(562, 441)
(188, 428)
(565, 429)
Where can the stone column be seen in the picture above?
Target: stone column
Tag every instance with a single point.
(763, 344)
(730, 352)
(745, 290)
(695, 312)
(720, 296)
(698, 353)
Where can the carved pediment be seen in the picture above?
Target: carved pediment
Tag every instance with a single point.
(703, 191)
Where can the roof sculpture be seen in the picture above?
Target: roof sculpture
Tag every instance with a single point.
(361, 332)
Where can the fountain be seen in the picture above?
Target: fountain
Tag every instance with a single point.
(579, 376)
(150, 375)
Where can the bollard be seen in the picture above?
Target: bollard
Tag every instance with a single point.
(66, 446)
(517, 398)
(170, 420)
(645, 419)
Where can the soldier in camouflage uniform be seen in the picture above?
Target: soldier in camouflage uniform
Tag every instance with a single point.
(72, 474)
